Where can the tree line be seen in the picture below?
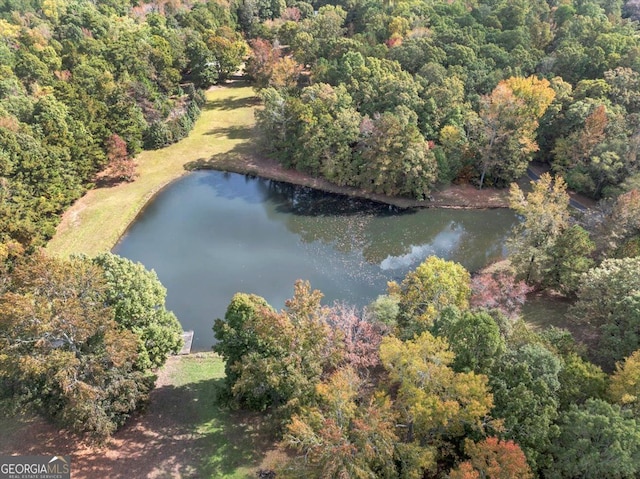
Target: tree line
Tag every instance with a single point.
(398, 97)
(84, 86)
(441, 377)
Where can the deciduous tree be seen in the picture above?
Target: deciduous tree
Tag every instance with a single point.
(499, 291)
(474, 338)
(493, 458)
(121, 167)
(433, 286)
(138, 301)
(434, 402)
(63, 354)
(275, 359)
(624, 388)
(609, 305)
(596, 440)
(346, 435)
(525, 386)
(509, 118)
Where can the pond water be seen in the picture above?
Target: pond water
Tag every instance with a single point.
(212, 234)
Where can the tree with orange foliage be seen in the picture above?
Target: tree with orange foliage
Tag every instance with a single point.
(345, 435)
(493, 459)
(508, 120)
(62, 352)
(121, 167)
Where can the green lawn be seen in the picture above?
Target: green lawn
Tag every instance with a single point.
(220, 138)
(233, 443)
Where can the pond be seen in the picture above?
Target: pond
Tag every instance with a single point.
(212, 234)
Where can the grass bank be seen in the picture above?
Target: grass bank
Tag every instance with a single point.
(220, 138)
(224, 444)
(185, 432)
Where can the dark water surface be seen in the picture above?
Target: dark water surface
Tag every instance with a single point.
(212, 234)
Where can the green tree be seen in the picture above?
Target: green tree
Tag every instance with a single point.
(596, 440)
(621, 226)
(63, 354)
(138, 301)
(228, 50)
(275, 359)
(396, 159)
(473, 336)
(425, 292)
(328, 126)
(525, 386)
(580, 380)
(569, 259)
(609, 305)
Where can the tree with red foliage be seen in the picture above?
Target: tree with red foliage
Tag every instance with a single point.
(499, 291)
(361, 338)
(121, 167)
(494, 459)
(261, 61)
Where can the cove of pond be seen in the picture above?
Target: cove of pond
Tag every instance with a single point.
(211, 234)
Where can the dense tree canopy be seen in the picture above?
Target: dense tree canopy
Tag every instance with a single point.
(84, 86)
(609, 304)
(395, 98)
(493, 84)
(64, 351)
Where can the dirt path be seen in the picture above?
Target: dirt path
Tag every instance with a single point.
(156, 444)
(184, 433)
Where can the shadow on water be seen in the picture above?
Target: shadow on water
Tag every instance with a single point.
(305, 201)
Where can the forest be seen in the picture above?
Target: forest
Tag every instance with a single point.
(439, 377)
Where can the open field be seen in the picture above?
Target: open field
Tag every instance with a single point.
(98, 219)
(184, 433)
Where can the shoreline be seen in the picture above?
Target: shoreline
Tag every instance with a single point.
(223, 139)
(450, 197)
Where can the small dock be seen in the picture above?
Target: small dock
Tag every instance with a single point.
(187, 337)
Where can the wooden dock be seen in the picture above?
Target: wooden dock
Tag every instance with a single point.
(187, 337)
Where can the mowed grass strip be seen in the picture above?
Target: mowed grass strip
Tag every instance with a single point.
(227, 444)
(220, 138)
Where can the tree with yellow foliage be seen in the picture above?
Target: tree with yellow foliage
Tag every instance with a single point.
(505, 132)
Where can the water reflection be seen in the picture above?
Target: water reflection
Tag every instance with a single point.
(212, 234)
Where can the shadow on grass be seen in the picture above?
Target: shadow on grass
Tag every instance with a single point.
(185, 432)
(232, 103)
(237, 159)
(233, 132)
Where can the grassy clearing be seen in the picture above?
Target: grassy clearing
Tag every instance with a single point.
(231, 444)
(220, 139)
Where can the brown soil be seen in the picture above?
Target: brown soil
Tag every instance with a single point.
(155, 444)
(453, 196)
